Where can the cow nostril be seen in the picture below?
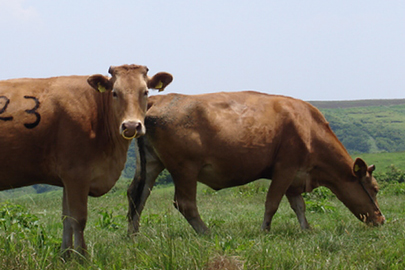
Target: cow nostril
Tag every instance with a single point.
(138, 127)
(124, 126)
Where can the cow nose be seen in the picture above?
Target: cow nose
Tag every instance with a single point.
(131, 129)
(380, 219)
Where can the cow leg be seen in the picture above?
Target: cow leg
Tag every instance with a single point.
(67, 227)
(297, 203)
(282, 179)
(139, 191)
(75, 216)
(273, 199)
(148, 167)
(185, 201)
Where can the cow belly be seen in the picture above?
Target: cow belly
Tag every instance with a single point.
(18, 178)
(218, 179)
(100, 186)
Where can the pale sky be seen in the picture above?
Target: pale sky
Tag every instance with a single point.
(312, 50)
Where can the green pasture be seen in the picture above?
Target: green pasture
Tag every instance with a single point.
(31, 232)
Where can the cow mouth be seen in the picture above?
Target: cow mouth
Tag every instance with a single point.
(378, 220)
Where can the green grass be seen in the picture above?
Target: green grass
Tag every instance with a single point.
(166, 241)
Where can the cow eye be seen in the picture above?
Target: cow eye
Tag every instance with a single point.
(114, 93)
(146, 92)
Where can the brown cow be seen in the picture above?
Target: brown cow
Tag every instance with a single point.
(59, 131)
(229, 139)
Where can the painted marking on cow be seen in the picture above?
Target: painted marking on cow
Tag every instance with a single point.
(33, 111)
(30, 111)
(2, 110)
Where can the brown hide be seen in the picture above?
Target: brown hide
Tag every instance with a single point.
(230, 139)
(60, 131)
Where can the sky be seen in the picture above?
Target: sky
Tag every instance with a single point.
(311, 50)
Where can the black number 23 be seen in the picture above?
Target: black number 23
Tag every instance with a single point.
(30, 111)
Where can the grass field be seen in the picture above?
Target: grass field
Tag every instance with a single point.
(31, 233)
(384, 160)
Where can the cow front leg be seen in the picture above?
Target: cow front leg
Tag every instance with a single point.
(273, 200)
(74, 217)
(297, 203)
(67, 236)
(185, 202)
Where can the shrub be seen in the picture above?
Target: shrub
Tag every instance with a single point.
(318, 200)
(253, 188)
(107, 221)
(16, 217)
(164, 178)
(319, 206)
(392, 174)
(394, 189)
(320, 193)
(20, 224)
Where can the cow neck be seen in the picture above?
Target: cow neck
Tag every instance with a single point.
(332, 165)
(108, 126)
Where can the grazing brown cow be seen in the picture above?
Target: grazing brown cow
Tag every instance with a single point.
(59, 131)
(229, 139)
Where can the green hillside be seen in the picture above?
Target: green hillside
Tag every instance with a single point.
(369, 129)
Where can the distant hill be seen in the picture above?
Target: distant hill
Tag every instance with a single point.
(367, 126)
(356, 103)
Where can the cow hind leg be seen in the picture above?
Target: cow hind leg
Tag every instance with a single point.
(148, 167)
(297, 203)
(138, 192)
(185, 202)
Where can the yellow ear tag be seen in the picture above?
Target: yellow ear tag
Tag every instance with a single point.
(356, 168)
(159, 86)
(101, 88)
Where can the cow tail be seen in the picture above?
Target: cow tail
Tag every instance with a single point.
(135, 189)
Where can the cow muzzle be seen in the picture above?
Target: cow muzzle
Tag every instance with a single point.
(132, 129)
(379, 220)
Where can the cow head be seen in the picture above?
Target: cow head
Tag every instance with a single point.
(128, 90)
(360, 194)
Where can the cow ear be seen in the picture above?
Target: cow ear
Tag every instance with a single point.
(100, 83)
(360, 168)
(371, 169)
(160, 81)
